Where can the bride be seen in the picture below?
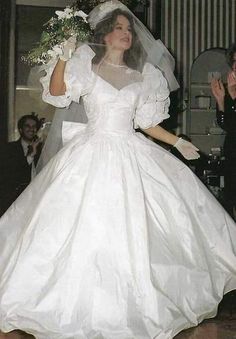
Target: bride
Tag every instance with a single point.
(115, 238)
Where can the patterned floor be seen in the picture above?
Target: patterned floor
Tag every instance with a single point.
(221, 327)
(211, 330)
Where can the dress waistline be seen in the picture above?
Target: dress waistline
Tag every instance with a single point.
(91, 130)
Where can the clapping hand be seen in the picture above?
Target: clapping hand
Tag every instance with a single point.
(68, 49)
(218, 91)
(32, 148)
(231, 82)
(187, 149)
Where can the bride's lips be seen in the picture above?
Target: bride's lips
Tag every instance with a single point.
(125, 39)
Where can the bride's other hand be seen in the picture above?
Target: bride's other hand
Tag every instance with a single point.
(187, 149)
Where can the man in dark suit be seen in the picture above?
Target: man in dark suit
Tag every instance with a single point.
(226, 118)
(18, 160)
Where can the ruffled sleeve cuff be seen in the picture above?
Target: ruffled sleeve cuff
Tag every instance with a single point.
(154, 102)
(78, 78)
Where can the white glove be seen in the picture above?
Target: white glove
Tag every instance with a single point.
(187, 149)
(68, 49)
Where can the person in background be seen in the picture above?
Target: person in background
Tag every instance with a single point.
(226, 118)
(18, 159)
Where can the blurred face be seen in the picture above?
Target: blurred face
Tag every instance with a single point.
(234, 63)
(29, 130)
(121, 36)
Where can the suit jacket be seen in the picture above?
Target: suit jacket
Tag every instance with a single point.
(15, 172)
(227, 121)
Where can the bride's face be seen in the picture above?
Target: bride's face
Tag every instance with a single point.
(121, 36)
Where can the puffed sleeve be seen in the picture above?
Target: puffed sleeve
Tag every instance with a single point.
(78, 78)
(153, 104)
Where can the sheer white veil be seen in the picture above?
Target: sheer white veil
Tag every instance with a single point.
(153, 52)
(53, 143)
(156, 52)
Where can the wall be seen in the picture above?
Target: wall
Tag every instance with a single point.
(5, 14)
(189, 27)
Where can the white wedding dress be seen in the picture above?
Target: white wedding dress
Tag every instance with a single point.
(115, 238)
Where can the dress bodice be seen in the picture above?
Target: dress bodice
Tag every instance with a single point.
(141, 104)
(110, 109)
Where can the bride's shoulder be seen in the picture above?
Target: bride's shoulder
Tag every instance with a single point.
(154, 80)
(84, 51)
(81, 61)
(149, 69)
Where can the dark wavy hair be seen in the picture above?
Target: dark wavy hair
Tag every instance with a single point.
(230, 54)
(31, 116)
(134, 57)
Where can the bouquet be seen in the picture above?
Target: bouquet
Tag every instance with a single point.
(66, 23)
(69, 22)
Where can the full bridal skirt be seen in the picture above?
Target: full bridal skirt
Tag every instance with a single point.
(114, 239)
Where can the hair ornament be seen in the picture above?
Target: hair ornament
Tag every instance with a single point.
(101, 11)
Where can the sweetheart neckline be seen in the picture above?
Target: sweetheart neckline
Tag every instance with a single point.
(113, 87)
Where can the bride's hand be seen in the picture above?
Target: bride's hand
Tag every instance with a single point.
(187, 149)
(68, 49)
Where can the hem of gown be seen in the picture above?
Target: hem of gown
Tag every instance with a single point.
(174, 333)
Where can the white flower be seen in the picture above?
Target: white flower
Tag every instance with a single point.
(55, 51)
(51, 53)
(60, 15)
(81, 14)
(66, 14)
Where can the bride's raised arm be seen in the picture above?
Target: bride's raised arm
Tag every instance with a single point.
(57, 84)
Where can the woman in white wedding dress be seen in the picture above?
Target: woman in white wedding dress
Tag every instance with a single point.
(115, 238)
